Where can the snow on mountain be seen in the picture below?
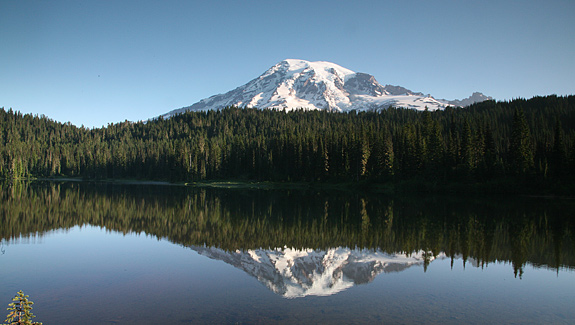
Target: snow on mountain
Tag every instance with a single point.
(296, 273)
(293, 84)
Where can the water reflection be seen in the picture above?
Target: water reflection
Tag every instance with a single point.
(294, 273)
(237, 226)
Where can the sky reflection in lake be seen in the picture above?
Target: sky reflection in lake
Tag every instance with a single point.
(77, 271)
(94, 276)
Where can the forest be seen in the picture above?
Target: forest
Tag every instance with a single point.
(519, 146)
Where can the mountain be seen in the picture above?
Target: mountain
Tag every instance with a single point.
(293, 84)
(294, 273)
(476, 97)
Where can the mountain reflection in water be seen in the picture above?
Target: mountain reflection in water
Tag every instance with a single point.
(519, 231)
(294, 273)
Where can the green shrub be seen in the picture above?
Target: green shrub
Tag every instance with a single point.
(20, 311)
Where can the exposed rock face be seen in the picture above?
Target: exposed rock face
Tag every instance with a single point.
(293, 84)
(476, 97)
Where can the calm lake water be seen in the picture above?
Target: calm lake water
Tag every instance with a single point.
(137, 254)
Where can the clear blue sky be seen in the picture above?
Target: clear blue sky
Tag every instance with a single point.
(104, 61)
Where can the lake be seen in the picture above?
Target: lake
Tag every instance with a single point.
(138, 254)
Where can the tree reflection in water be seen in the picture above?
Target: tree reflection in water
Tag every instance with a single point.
(519, 231)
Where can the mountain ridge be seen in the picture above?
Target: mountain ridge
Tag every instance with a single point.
(293, 84)
(295, 273)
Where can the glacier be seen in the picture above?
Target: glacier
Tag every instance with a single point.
(294, 84)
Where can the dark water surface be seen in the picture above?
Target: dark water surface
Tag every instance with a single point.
(137, 254)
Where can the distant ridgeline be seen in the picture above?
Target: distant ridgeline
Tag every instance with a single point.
(517, 146)
(521, 231)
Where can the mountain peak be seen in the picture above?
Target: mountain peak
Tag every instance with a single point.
(295, 83)
(476, 97)
(294, 273)
(319, 66)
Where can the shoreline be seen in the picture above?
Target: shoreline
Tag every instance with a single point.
(411, 187)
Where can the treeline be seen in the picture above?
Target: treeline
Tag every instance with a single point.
(530, 141)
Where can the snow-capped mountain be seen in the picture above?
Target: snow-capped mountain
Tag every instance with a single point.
(296, 273)
(293, 84)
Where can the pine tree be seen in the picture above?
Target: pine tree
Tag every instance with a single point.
(388, 157)
(521, 146)
(466, 155)
(435, 151)
(559, 154)
(490, 155)
(20, 311)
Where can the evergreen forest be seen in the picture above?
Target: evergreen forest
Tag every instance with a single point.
(519, 146)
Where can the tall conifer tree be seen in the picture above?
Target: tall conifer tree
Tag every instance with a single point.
(521, 146)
